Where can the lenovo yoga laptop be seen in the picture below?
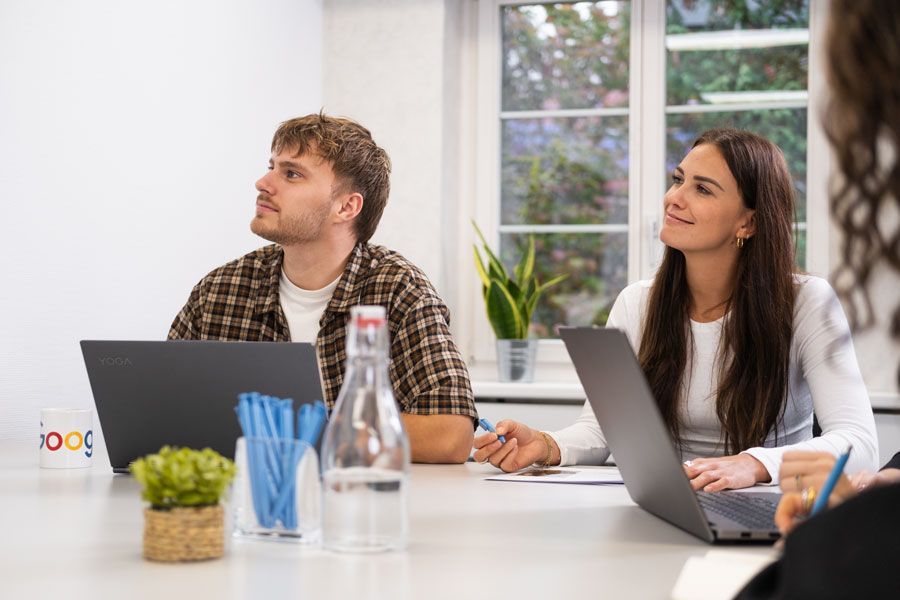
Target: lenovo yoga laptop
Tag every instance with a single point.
(183, 393)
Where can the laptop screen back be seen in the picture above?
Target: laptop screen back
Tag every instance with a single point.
(634, 430)
(183, 393)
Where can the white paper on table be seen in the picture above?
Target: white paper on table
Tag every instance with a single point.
(581, 475)
(719, 575)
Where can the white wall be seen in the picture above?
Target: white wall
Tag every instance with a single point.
(879, 353)
(130, 137)
(392, 65)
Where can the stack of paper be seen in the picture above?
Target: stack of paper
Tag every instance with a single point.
(584, 476)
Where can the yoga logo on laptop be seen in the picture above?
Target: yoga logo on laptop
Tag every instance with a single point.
(115, 361)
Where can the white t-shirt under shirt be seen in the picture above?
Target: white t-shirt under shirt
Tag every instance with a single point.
(303, 309)
(824, 377)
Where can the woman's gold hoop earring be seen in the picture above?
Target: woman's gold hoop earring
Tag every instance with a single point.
(740, 242)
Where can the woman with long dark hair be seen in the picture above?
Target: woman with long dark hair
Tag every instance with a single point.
(738, 348)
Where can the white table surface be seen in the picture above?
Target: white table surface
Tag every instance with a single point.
(77, 534)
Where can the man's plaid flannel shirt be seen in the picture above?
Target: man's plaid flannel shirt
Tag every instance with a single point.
(239, 302)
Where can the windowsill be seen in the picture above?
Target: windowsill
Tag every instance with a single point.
(543, 390)
(545, 372)
(560, 391)
(885, 402)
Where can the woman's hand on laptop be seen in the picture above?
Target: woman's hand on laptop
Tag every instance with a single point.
(725, 473)
(524, 446)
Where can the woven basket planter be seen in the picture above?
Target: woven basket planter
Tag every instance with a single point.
(182, 534)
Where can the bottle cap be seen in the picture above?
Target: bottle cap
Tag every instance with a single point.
(368, 316)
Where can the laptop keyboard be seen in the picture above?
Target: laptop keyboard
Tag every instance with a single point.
(752, 512)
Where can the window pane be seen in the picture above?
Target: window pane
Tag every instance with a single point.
(719, 15)
(598, 270)
(740, 52)
(735, 46)
(565, 55)
(565, 171)
(800, 245)
(786, 128)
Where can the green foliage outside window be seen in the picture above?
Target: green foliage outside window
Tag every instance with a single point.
(574, 170)
(690, 74)
(567, 171)
(565, 55)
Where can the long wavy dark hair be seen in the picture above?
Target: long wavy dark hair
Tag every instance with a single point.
(756, 333)
(862, 122)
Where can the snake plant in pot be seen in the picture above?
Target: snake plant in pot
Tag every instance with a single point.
(510, 303)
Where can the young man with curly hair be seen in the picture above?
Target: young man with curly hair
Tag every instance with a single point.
(319, 203)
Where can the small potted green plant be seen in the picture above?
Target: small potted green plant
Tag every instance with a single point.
(510, 303)
(185, 520)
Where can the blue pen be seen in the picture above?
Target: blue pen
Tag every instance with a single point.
(486, 425)
(822, 497)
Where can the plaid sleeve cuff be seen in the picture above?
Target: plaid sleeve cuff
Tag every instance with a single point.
(430, 377)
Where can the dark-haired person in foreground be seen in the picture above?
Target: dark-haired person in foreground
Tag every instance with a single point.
(320, 202)
(737, 347)
(852, 550)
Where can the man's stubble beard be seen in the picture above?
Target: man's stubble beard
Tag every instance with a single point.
(297, 230)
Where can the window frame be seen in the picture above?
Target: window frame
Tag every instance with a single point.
(646, 182)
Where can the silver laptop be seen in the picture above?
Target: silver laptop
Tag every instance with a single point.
(183, 393)
(644, 452)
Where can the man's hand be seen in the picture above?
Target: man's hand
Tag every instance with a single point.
(725, 473)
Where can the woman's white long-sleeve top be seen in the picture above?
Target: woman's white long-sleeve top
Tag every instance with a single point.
(824, 377)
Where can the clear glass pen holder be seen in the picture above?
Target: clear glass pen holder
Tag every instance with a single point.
(277, 493)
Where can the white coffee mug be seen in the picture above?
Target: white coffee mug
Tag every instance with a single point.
(67, 438)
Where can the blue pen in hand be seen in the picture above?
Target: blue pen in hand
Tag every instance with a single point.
(486, 425)
(836, 471)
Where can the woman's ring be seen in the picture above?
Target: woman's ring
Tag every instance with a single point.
(808, 498)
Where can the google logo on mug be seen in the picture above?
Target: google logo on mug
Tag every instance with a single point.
(67, 438)
(73, 441)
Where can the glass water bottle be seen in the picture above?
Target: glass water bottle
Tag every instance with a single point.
(365, 452)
